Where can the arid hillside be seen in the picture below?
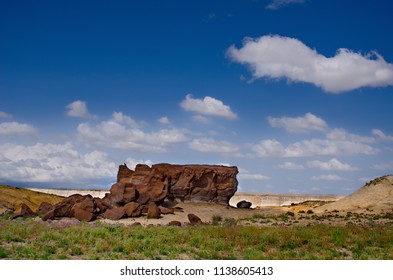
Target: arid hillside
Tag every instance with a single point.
(13, 197)
(375, 196)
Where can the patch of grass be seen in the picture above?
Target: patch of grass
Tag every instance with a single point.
(229, 222)
(216, 219)
(30, 239)
(3, 253)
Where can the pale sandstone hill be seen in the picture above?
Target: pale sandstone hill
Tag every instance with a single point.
(375, 196)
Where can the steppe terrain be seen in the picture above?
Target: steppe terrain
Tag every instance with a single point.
(375, 199)
(358, 226)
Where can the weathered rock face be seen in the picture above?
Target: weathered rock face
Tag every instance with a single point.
(66, 208)
(144, 191)
(197, 183)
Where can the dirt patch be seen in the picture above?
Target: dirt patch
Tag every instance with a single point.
(205, 211)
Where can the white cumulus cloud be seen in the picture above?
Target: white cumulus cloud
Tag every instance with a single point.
(164, 120)
(340, 134)
(115, 133)
(274, 56)
(333, 164)
(384, 137)
(53, 163)
(307, 148)
(208, 106)
(15, 128)
(79, 109)
(4, 115)
(119, 117)
(303, 124)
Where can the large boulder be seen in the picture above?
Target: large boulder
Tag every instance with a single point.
(116, 213)
(133, 209)
(244, 204)
(153, 211)
(65, 208)
(84, 210)
(194, 219)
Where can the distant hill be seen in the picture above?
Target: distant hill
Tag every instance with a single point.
(13, 197)
(376, 196)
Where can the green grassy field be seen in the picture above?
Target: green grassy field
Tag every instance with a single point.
(34, 239)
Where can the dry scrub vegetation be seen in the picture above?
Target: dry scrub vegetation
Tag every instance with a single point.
(338, 230)
(256, 237)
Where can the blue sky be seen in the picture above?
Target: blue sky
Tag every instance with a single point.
(296, 93)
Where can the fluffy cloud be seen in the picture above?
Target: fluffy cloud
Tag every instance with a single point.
(333, 164)
(4, 115)
(79, 109)
(115, 133)
(208, 106)
(276, 57)
(313, 147)
(303, 124)
(382, 135)
(340, 134)
(291, 166)
(277, 4)
(164, 120)
(208, 145)
(15, 128)
(131, 162)
(52, 163)
(119, 117)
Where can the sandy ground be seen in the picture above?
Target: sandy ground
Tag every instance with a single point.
(205, 211)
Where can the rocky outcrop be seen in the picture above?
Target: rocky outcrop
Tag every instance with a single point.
(66, 208)
(145, 190)
(197, 183)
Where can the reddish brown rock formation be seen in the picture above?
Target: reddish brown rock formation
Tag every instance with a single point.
(153, 211)
(133, 209)
(116, 213)
(194, 219)
(198, 183)
(145, 190)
